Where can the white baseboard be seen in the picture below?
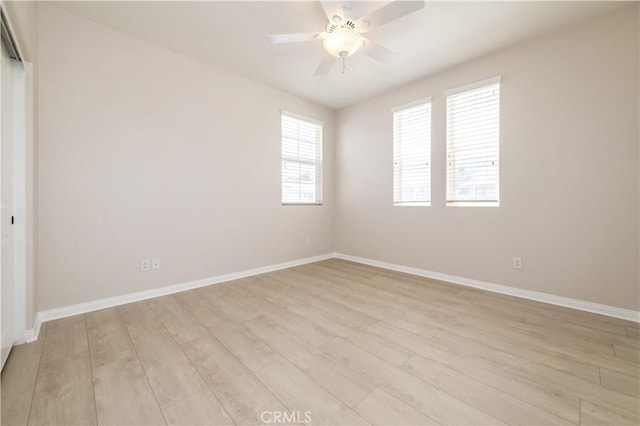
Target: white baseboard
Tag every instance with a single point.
(95, 305)
(32, 334)
(597, 308)
(81, 308)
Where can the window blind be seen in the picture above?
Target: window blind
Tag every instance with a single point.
(412, 155)
(301, 160)
(473, 133)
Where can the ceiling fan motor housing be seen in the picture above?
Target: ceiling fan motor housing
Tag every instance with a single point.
(332, 26)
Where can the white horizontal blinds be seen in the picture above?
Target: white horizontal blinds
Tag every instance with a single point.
(301, 160)
(473, 134)
(412, 155)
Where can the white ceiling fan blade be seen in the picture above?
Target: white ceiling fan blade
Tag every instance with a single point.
(377, 52)
(325, 64)
(388, 13)
(293, 38)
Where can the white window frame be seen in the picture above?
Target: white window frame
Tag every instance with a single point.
(397, 167)
(472, 203)
(317, 163)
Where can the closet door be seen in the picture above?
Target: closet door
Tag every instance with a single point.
(7, 249)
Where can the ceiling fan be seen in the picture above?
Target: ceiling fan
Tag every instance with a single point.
(343, 35)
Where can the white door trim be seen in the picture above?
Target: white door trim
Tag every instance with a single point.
(20, 159)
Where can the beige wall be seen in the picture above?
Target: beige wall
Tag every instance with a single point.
(145, 153)
(569, 171)
(23, 18)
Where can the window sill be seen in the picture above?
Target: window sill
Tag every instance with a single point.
(473, 204)
(422, 204)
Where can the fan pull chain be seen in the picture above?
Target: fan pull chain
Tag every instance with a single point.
(344, 59)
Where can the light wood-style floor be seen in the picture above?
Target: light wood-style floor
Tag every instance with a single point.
(348, 343)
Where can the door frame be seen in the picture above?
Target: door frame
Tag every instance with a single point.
(20, 211)
(24, 185)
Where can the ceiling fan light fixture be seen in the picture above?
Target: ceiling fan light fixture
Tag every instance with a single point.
(343, 42)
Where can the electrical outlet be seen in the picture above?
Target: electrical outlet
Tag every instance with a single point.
(145, 265)
(155, 263)
(517, 263)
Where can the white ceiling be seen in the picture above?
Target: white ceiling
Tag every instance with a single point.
(231, 35)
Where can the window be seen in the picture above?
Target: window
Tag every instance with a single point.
(473, 128)
(301, 160)
(412, 154)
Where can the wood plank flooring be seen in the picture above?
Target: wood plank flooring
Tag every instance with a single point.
(334, 342)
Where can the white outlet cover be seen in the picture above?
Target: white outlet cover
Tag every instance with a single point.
(517, 263)
(155, 263)
(144, 265)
